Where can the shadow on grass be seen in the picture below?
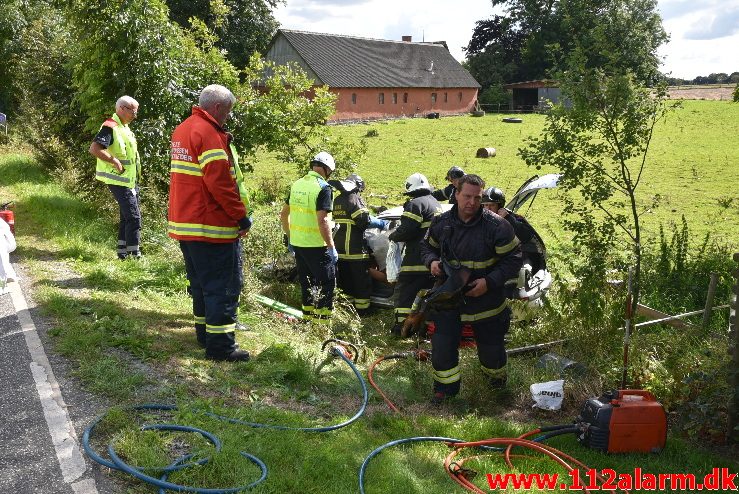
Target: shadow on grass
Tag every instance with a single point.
(21, 169)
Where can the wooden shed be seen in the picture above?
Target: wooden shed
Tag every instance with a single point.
(376, 78)
(532, 95)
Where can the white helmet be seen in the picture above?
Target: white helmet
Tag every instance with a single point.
(324, 159)
(415, 182)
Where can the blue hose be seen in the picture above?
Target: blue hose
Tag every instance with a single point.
(179, 465)
(365, 399)
(88, 432)
(164, 485)
(404, 441)
(118, 464)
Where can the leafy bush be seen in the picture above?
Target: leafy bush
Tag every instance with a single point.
(69, 63)
(495, 95)
(676, 276)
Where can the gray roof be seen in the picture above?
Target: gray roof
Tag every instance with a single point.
(345, 61)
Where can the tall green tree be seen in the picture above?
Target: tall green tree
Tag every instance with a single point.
(534, 38)
(131, 47)
(600, 139)
(241, 26)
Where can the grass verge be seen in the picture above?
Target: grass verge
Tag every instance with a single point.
(127, 327)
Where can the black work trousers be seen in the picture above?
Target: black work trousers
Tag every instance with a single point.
(317, 276)
(354, 280)
(129, 227)
(215, 283)
(489, 334)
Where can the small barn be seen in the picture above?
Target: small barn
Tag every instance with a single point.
(532, 95)
(376, 78)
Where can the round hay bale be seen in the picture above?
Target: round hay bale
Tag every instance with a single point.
(486, 152)
(512, 120)
(478, 113)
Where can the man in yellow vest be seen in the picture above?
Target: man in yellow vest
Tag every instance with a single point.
(305, 219)
(119, 166)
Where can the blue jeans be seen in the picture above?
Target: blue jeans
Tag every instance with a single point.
(129, 227)
(213, 271)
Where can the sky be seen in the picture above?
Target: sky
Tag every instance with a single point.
(704, 34)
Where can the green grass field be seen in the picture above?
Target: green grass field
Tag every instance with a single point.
(693, 168)
(127, 326)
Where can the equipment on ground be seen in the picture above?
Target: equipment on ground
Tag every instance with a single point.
(279, 306)
(8, 215)
(623, 421)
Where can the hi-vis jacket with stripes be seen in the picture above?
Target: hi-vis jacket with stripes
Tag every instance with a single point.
(124, 148)
(487, 245)
(204, 200)
(415, 220)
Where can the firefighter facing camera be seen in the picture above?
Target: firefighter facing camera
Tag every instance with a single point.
(447, 193)
(418, 211)
(472, 238)
(352, 217)
(305, 219)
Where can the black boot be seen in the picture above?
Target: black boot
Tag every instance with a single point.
(235, 356)
(200, 334)
(222, 346)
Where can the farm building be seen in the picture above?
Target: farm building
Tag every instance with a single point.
(375, 78)
(531, 95)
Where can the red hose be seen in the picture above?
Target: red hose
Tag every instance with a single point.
(553, 453)
(377, 388)
(420, 355)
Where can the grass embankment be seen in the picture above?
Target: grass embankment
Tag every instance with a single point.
(127, 326)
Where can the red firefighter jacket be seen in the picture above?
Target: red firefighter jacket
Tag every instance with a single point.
(204, 201)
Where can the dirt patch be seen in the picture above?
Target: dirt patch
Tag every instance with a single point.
(701, 93)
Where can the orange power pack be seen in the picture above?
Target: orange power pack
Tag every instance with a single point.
(623, 421)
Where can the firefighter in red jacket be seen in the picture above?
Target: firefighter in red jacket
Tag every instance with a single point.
(469, 235)
(208, 217)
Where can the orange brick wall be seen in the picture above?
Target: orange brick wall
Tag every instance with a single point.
(419, 102)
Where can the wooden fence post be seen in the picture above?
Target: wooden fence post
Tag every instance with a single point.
(709, 299)
(733, 432)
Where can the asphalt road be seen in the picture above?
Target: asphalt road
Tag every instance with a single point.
(43, 410)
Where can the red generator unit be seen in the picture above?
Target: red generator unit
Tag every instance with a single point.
(623, 421)
(9, 217)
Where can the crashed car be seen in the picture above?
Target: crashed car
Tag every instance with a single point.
(530, 286)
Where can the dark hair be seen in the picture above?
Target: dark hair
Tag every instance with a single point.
(471, 179)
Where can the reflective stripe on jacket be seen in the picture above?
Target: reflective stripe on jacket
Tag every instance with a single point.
(415, 220)
(352, 216)
(239, 176)
(204, 200)
(487, 245)
(304, 231)
(123, 147)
